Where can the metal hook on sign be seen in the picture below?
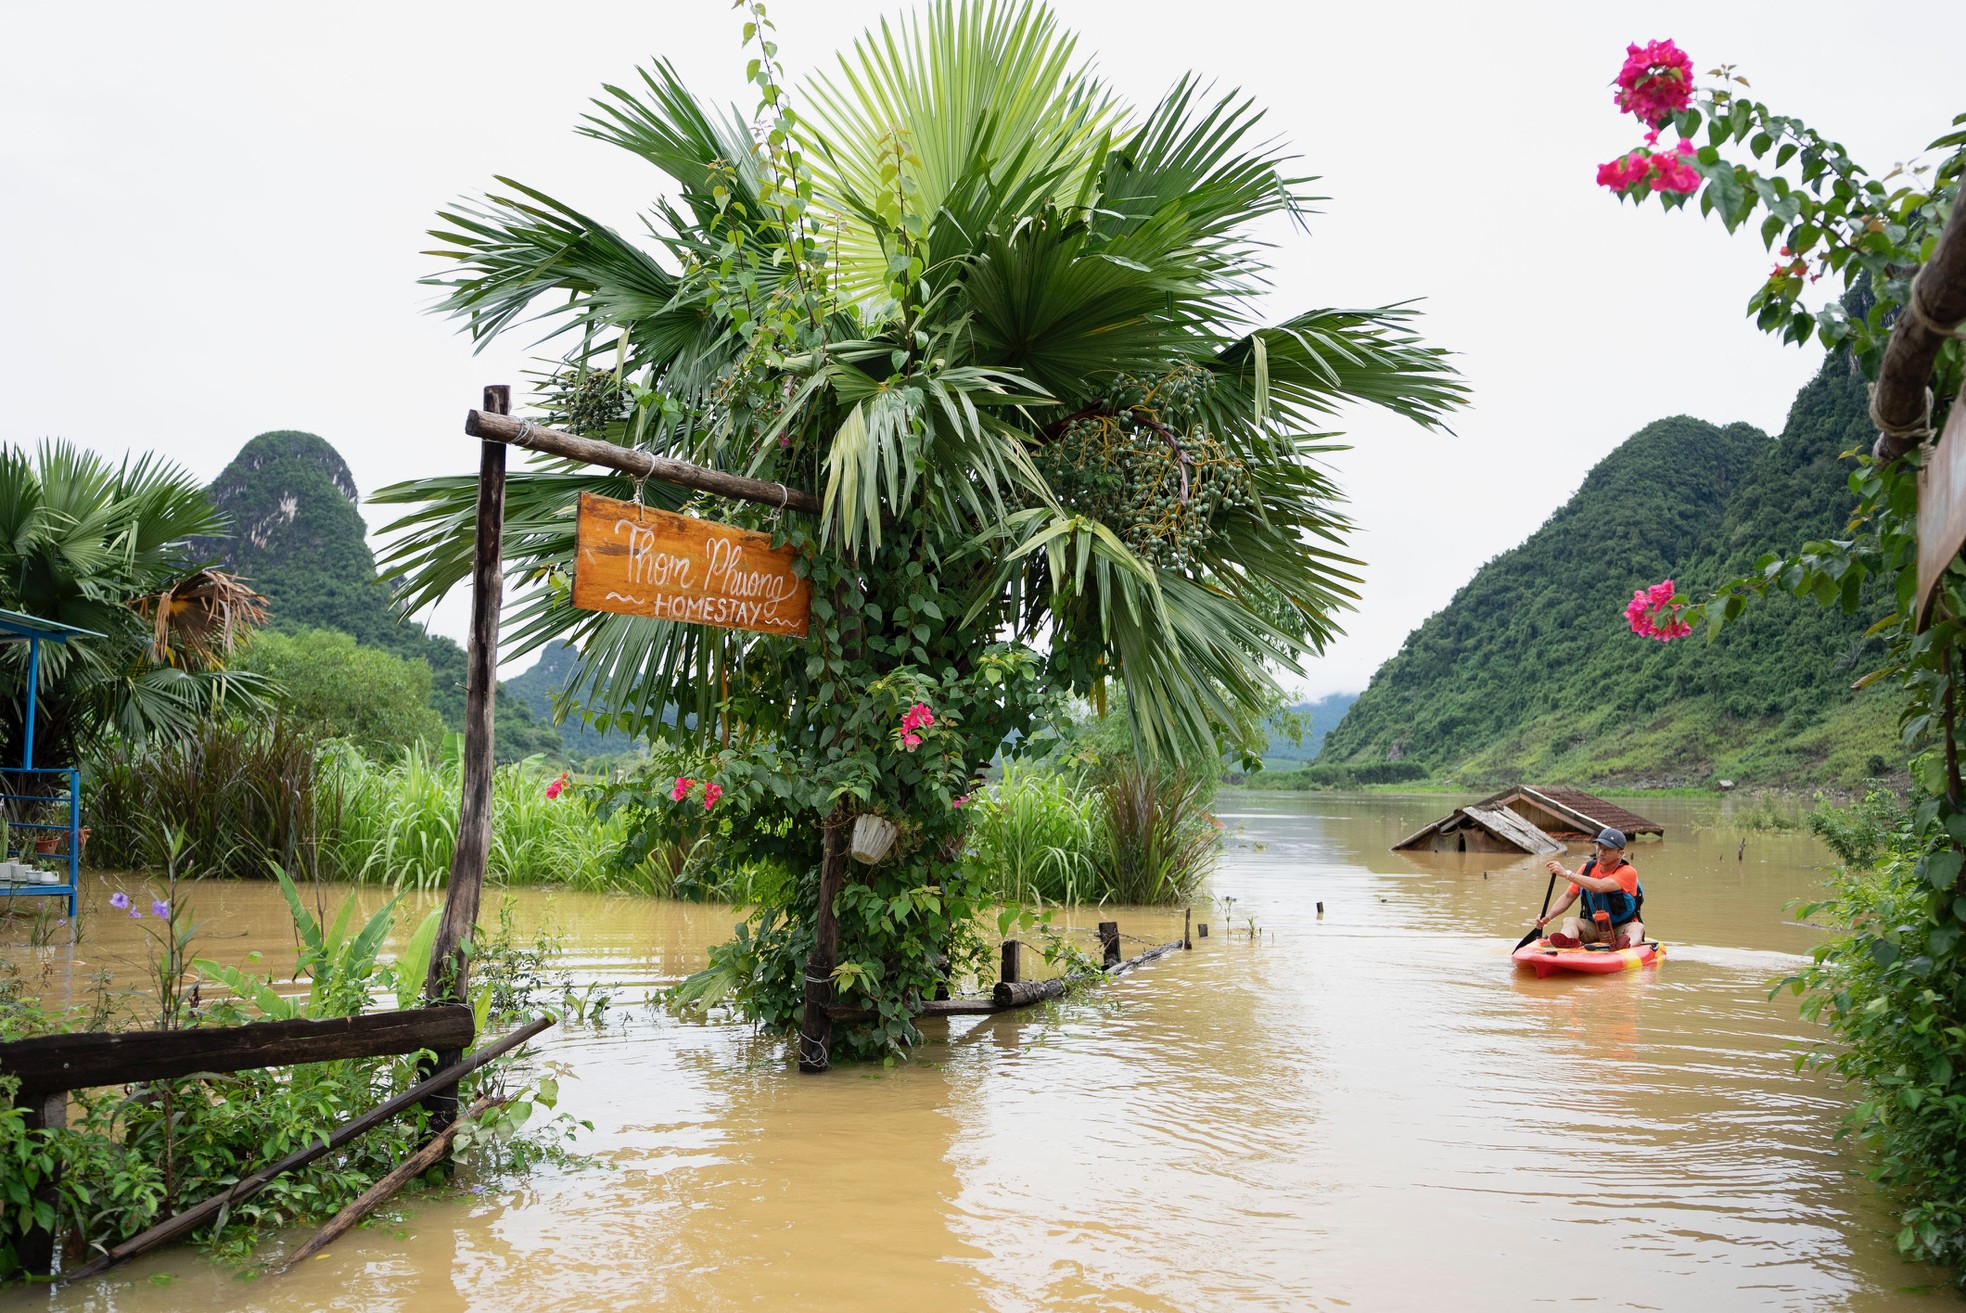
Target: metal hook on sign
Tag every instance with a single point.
(784, 500)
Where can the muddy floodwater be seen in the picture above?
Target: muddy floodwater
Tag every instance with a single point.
(1366, 1108)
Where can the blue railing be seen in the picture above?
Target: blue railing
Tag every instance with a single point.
(24, 869)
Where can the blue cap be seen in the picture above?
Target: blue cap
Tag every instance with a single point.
(1610, 838)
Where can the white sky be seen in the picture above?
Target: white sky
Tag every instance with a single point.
(211, 216)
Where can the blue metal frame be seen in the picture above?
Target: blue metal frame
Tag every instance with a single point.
(14, 628)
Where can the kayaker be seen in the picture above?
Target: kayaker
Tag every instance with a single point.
(1607, 883)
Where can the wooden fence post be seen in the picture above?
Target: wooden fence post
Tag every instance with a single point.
(450, 965)
(1109, 937)
(1008, 971)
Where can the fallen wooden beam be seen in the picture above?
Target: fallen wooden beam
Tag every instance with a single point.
(199, 1214)
(408, 1170)
(49, 1064)
(632, 460)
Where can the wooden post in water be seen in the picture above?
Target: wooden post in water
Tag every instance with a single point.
(1008, 971)
(36, 1247)
(1187, 927)
(816, 1030)
(1109, 938)
(450, 964)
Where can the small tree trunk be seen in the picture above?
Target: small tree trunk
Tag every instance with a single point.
(816, 1032)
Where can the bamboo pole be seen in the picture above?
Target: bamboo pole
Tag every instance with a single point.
(495, 425)
(372, 1198)
(199, 1214)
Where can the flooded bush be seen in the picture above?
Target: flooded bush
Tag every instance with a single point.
(1155, 840)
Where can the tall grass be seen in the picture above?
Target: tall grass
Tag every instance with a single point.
(1031, 834)
(251, 799)
(1130, 834)
(397, 825)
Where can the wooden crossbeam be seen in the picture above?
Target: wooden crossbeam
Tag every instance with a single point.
(629, 460)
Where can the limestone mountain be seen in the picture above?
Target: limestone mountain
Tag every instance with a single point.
(1531, 670)
(299, 538)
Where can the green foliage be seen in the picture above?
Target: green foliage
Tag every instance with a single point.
(335, 688)
(1529, 671)
(1155, 840)
(1324, 775)
(82, 539)
(1298, 733)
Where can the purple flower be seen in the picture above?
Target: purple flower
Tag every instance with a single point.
(119, 900)
(135, 915)
(160, 909)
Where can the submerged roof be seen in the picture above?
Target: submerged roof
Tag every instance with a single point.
(1591, 812)
(1585, 812)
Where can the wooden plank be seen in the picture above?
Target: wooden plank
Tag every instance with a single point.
(51, 1063)
(1506, 825)
(1941, 509)
(638, 560)
(198, 1215)
(499, 427)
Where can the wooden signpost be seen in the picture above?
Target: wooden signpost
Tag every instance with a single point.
(638, 560)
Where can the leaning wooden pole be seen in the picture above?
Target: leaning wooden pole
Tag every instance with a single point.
(376, 1195)
(450, 965)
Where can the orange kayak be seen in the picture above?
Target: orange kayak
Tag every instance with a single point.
(1545, 961)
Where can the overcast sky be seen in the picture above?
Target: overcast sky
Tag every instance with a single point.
(212, 217)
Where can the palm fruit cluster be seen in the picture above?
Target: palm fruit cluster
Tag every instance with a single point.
(1123, 464)
(585, 401)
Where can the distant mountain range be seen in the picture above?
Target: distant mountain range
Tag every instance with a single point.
(1319, 719)
(1532, 672)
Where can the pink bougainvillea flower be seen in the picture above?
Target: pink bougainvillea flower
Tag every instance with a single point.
(911, 741)
(1655, 83)
(960, 801)
(119, 900)
(683, 785)
(557, 787)
(1651, 613)
(711, 792)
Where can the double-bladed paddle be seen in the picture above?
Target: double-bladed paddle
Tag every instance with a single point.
(1537, 929)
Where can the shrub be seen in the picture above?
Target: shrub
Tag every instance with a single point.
(338, 689)
(1155, 840)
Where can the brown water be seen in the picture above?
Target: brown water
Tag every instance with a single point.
(1367, 1109)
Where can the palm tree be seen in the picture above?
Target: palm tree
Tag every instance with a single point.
(1000, 321)
(107, 548)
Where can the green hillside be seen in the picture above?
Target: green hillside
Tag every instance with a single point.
(1317, 717)
(1531, 670)
(299, 539)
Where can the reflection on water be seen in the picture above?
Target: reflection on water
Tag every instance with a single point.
(1366, 1109)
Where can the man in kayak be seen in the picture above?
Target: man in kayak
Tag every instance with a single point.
(1607, 883)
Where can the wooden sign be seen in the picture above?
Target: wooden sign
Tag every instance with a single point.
(1941, 508)
(637, 560)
